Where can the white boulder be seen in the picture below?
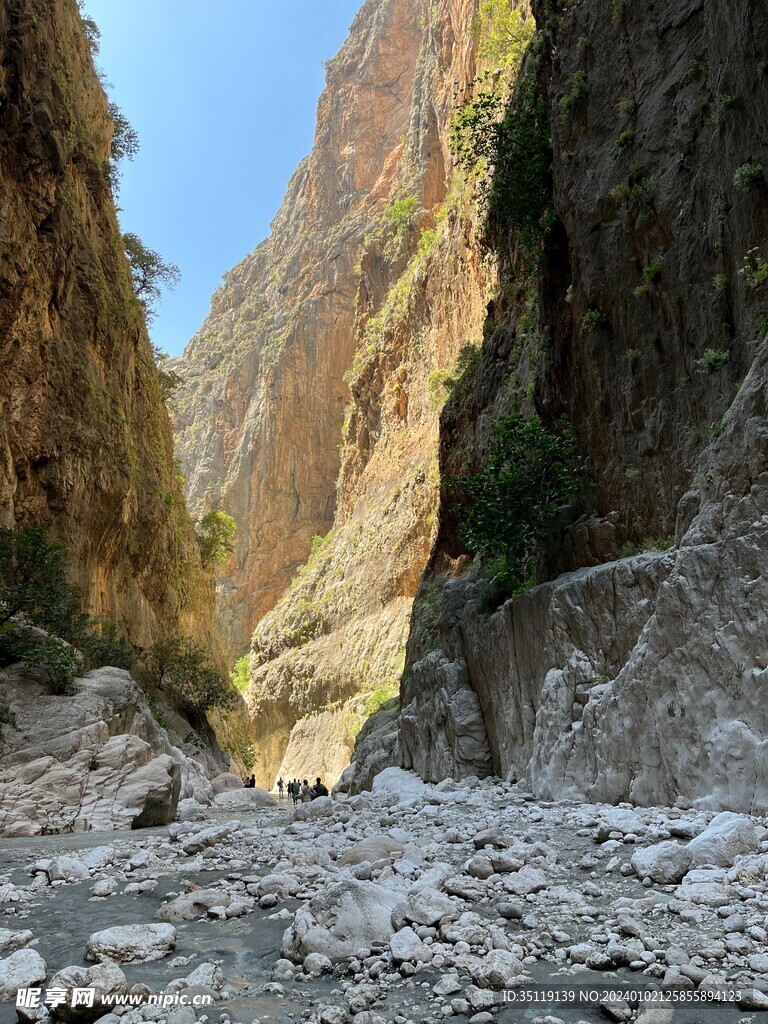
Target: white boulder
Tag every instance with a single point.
(397, 782)
(243, 799)
(341, 919)
(11, 940)
(726, 837)
(497, 970)
(23, 969)
(107, 979)
(665, 863)
(131, 943)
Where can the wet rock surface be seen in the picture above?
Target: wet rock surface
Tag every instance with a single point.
(416, 903)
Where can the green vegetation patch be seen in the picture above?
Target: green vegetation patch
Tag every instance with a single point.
(509, 504)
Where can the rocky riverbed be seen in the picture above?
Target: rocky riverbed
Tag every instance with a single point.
(414, 903)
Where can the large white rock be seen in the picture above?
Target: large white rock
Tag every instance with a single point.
(428, 906)
(226, 782)
(497, 969)
(405, 945)
(341, 919)
(11, 940)
(243, 799)
(726, 837)
(106, 979)
(67, 869)
(210, 835)
(665, 863)
(320, 807)
(528, 879)
(193, 904)
(23, 969)
(95, 760)
(131, 943)
(373, 849)
(396, 782)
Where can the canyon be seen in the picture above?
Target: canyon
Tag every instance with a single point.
(548, 773)
(603, 262)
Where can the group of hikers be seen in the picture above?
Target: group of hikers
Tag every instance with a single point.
(301, 792)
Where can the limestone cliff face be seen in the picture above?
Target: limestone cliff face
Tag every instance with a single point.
(85, 441)
(321, 417)
(259, 420)
(638, 678)
(607, 261)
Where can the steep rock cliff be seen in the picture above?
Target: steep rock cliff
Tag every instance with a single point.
(85, 441)
(637, 679)
(354, 458)
(259, 418)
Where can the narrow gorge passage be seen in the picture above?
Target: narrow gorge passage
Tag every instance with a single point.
(383, 621)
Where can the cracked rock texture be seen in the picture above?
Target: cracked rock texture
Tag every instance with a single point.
(639, 680)
(95, 760)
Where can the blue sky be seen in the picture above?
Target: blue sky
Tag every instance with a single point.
(223, 96)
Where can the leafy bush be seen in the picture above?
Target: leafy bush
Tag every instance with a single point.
(381, 696)
(102, 645)
(33, 582)
(530, 473)
(170, 381)
(749, 177)
(91, 30)
(215, 533)
(657, 543)
(504, 32)
(400, 213)
(625, 139)
(240, 674)
(521, 192)
(577, 92)
(591, 321)
(712, 361)
(149, 271)
(755, 268)
(58, 658)
(246, 752)
(193, 684)
(717, 428)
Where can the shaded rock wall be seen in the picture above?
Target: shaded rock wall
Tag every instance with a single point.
(636, 679)
(85, 441)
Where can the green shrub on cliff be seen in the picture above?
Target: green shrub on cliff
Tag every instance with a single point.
(530, 473)
(215, 533)
(35, 591)
(749, 177)
(33, 582)
(184, 671)
(149, 271)
(240, 674)
(504, 31)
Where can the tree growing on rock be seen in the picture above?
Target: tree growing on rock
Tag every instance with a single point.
(530, 473)
(185, 672)
(215, 533)
(33, 582)
(149, 271)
